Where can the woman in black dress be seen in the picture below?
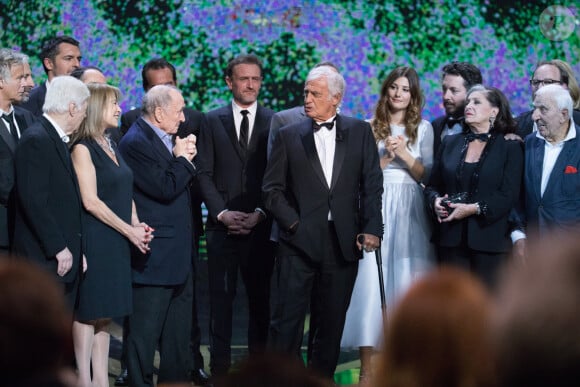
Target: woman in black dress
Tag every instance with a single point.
(475, 182)
(110, 223)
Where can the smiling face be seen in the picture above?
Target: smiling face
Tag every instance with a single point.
(318, 103)
(478, 111)
(551, 121)
(399, 95)
(111, 112)
(245, 83)
(454, 93)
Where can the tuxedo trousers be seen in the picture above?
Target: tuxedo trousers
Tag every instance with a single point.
(325, 285)
(253, 257)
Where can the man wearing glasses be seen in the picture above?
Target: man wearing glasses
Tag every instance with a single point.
(550, 72)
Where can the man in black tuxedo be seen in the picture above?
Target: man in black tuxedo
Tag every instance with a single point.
(158, 71)
(323, 187)
(550, 72)
(162, 278)
(232, 159)
(14, 121)
(60, 55)
(457, 79)
(48, 217)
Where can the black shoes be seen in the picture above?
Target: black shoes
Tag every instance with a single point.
(123, 378)
(199, 377)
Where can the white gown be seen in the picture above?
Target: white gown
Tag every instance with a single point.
(406, 250)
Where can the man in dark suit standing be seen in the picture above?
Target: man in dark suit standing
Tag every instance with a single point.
(14, 121)
(232, 158)
(158, 71)
(162, 281)
(323, 187)
(457, 79)
(48, 216)
(552, 160)
(60, 55)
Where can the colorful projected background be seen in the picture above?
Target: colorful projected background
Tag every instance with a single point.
(366, 39)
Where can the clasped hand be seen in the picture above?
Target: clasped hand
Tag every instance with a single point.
(185, 147)
(240, 223)
(141, 235)
(458, 210)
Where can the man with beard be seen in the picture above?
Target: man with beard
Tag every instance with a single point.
(458, 77)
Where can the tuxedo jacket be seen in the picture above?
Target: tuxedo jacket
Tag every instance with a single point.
(36, 100)
(438, 125)
(559, 207)
(283, 118)
(295, 188)
(161, 193)
(7, 175)
(192, 124)
(497, 186)
(49, 210)
(526, 123)
(229, 178)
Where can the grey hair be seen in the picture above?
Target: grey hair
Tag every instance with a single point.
(559, 95)
(64, 90)
(157, 96)
(9, 58)
(334, 79)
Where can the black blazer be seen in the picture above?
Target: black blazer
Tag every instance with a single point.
(49, 211)
(230, 179)
(162, 198)
(438, 124)
(295, 188)
(498, 187)
(7, 175)
(36, 100)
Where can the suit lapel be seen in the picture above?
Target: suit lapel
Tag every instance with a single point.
(537, 166)
(7, 137)
(563, 158)
(158, 145)
(340, 150)
(307, 137)
(61, 147)
(227, 119)
(260, 123)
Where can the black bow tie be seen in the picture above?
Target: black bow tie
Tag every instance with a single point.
(478, 136)
(328, 125)
(451, 121)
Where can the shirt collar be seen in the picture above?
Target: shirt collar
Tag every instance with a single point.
(252, 108)
(63, 136)
(569, 136)
(9, 110)
(158, 131)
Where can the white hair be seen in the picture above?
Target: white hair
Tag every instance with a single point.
(335, 81)
(157, 96)
(559, 95)
(63, 91)
(9, 58)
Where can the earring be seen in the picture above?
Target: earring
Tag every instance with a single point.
(491, 122)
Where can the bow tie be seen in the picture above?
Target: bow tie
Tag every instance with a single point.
(451, 121)
(328, 125)
(478, 136)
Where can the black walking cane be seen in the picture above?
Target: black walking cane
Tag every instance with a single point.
(379, 259)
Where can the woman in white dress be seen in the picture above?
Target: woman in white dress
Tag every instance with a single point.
(405, 145)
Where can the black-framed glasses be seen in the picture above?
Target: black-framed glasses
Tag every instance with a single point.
(544, 82)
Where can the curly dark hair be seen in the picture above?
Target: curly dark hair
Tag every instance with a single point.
(382, 120)
(504, 121)
(471, 75)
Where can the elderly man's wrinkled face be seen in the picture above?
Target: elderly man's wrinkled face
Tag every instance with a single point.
(318, 103)
(551, 121)
(12, 88)
(172, 115)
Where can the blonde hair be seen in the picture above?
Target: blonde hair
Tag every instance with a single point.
(92, 125)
